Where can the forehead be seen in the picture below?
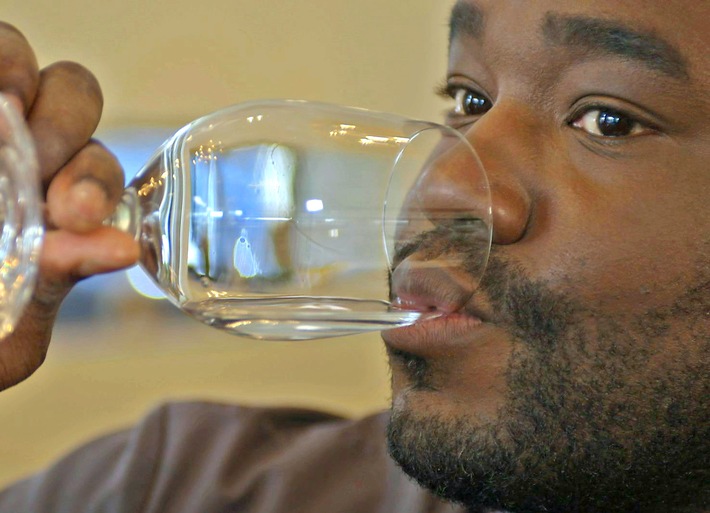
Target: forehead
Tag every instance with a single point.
(677, 25)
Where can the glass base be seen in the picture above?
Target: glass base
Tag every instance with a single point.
(299, 318)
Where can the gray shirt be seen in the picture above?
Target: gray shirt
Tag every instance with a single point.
(205, 457)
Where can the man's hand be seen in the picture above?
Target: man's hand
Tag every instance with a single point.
(83, 182)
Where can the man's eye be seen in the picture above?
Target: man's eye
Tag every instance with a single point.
(608, 123)
(470, 103)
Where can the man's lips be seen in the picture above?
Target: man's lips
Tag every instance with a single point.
(434, 336)
(434, 286)
(444, 295)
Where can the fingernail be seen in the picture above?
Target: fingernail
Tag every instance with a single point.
(88, 200)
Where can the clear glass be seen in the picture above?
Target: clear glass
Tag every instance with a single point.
(20, 216)
(281, 220)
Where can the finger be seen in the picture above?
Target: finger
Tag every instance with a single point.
(19, 74)
(67, 257)
(86, 190)
(64, 115)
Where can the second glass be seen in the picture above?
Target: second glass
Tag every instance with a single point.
(21, 229)
(281, 220)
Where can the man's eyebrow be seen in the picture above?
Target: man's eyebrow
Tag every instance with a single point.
(598, 36)
(465, 19)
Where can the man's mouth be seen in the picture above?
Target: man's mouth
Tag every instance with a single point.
(445, 296)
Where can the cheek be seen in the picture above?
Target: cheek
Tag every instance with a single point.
(633, 241)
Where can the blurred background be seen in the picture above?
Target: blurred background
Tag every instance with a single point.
(117, 352)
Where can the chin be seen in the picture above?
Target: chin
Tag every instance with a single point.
(470, 383)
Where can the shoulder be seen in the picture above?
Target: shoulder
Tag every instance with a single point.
(210, 457)
(183, 423)
(282, 460)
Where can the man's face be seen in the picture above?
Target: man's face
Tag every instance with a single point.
(585, 387)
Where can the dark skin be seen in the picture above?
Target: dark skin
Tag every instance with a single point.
(598, 158)
(591, 119)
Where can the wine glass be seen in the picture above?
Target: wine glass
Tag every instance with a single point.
(281, 220)
(20, 216)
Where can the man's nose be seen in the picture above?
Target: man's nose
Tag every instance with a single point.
(451, 188)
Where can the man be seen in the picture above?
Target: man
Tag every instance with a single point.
(573, 379)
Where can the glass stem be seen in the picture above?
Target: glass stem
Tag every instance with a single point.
(127, 216)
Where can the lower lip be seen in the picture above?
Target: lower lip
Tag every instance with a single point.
(434, 335)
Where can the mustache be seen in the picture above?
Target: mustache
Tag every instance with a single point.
(536, 314)
(469, 239)
(533, 311)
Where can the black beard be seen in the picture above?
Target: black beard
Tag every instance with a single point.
(586, 426)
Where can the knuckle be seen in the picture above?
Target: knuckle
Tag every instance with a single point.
(101, 150)
(52, 145)
(9, 28)
(79, 76)
(96, 161)
(18, 74)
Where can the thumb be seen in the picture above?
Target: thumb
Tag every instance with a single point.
(65, 259)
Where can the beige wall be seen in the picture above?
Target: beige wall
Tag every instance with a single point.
(168, 61)
(164, 63)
